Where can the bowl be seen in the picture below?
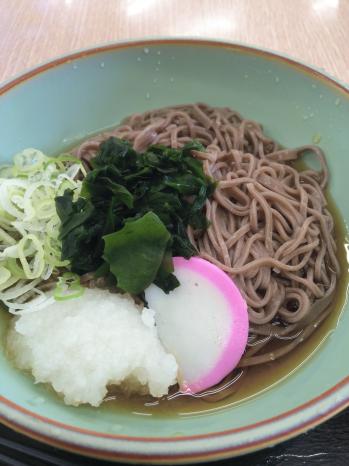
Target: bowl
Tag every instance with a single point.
(61, 102)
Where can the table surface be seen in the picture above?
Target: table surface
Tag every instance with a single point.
(314, 31)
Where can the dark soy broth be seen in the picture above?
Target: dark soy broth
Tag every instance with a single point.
(257, 378)
(5, 318)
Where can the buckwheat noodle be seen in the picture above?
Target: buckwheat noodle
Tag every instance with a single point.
(270, 228)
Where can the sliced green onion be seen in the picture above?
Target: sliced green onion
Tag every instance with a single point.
(5, 275)
(29, 227)
(68, 287)
(29, 160)
(18, 290)
(35, 268)
(5, 238)
(10, 282)
(15, 269)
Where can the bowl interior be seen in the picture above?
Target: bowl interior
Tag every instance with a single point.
(53, 110)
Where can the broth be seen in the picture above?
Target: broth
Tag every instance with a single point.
(256, 380)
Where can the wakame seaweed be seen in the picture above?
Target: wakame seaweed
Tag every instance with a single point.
(133, 213)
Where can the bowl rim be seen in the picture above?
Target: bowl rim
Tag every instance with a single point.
(179, 449)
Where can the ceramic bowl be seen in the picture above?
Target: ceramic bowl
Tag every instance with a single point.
(63, 101)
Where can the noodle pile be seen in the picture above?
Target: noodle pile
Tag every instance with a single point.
(270, 229)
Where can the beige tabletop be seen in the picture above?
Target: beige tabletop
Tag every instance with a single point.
(315, 31)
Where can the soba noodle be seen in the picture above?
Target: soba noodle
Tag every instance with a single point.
(270, 229)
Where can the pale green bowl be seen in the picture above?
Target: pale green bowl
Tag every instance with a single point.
(61, 102)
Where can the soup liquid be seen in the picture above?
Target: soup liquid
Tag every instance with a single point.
(257, 379)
